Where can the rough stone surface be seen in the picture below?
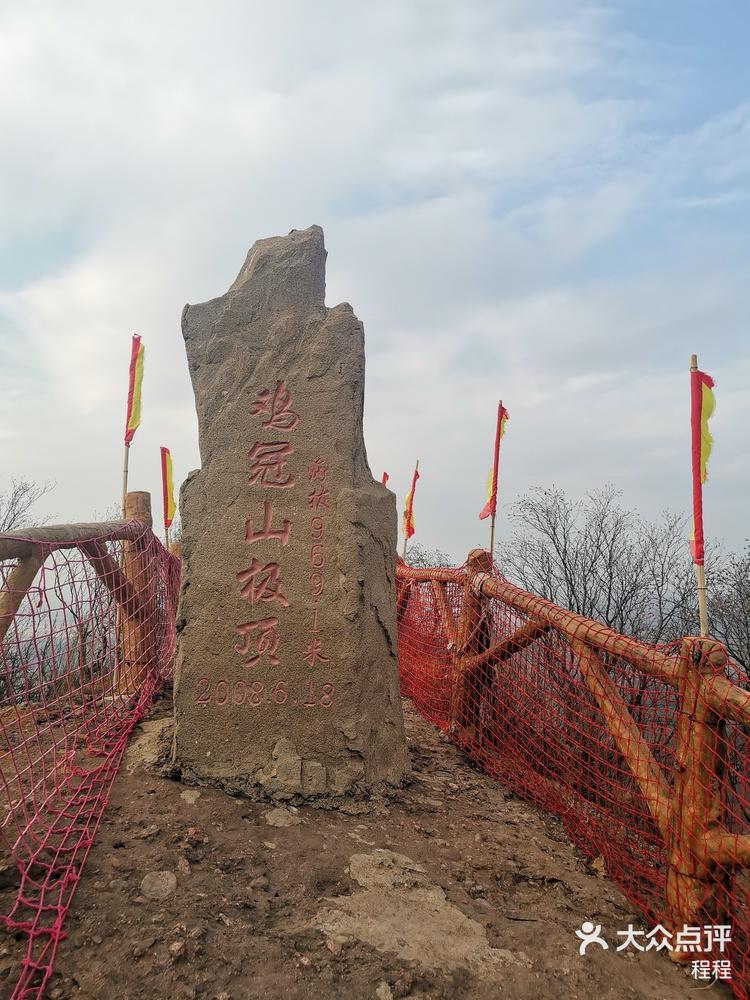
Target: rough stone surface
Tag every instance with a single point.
(397, 909)
(282, 817)
(286, 683)
(159, 885)
(151, 745)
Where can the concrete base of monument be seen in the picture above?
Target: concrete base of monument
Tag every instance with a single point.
(287, 777)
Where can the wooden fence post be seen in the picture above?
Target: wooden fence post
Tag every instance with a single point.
(136, 629)
(19, 581)
(626, 735)
(697, 805)
(472, 638)
(403, 592)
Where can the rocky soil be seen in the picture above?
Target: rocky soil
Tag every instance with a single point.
(451, 889)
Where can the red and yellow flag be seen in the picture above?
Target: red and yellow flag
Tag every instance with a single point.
(167, 487)
(490, 506)
(702, 404)
(385, 479)
(133, 418)
(408, 523)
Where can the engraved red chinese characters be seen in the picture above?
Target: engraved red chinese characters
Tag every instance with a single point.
(278, 405)
(267, 532)
(319, 500)
(264, 636)
(314, 653)
(262, 583)
(268, 461)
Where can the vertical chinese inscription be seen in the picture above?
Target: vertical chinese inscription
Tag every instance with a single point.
(318, 503)
(261, 582)
(271, 466)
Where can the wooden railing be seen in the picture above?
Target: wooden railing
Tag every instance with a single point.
(87, 637)
(687, 805)
(126, 579)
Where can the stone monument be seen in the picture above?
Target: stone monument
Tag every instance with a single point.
(286, 682)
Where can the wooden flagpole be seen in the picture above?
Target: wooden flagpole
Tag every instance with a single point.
(165, 458)
(496, 461)
(700, 571)
(126, 459)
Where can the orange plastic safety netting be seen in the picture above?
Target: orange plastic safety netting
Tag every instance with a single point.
(86, 640)
(641, 751)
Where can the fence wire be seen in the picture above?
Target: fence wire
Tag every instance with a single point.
(601, 732)
(594, 740)
(80, 664)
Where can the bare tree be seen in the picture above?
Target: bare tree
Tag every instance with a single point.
(602, 561)
(16, 504)
(420, 557)
(175, 530)
(729, 606)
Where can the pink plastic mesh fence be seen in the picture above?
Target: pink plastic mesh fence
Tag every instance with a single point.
(641, 751)
(80, 663)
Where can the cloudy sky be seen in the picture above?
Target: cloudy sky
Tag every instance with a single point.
(541, 200)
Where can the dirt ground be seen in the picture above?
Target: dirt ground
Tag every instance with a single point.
(451, 889)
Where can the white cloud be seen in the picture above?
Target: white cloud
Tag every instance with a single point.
(473, 165)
